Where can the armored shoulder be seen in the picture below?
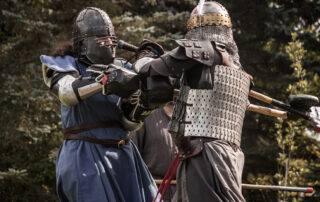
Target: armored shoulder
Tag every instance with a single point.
(200, 51)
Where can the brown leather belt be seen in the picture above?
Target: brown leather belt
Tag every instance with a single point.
(88, 126)
(70, 134)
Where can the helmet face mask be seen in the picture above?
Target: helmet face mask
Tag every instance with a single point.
(96, 52)
(94, 37)
(107, 41)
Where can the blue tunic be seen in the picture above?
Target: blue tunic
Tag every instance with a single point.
(91, 172)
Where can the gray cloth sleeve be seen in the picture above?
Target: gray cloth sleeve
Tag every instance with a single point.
(138, 138)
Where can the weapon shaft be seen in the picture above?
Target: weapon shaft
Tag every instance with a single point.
(159, 181)
(278, 188)
(277, 103)
(267, 111)
(265, 187)
(127, 46)
(255, 108)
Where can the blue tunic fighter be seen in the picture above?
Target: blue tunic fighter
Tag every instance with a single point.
(96, 161)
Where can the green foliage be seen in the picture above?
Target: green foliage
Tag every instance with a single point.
(295, 157)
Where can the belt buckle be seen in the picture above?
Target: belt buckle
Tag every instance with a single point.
(121, 143)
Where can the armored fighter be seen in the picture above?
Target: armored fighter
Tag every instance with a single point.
(97, 161)
(210, 108)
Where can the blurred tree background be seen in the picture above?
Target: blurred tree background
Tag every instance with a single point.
(279, 45)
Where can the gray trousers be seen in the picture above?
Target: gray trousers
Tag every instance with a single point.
(213, 175)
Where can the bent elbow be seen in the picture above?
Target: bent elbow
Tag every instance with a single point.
(68, 98)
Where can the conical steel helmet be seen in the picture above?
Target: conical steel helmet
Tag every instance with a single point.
(207, 14)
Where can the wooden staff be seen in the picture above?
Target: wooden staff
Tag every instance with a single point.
(277, 103)
(256, 108)
(265, 187)
(159, 181)
(267, 111)
(278, 188)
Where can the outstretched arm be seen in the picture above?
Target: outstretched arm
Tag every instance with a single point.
(173, 64)
(69, 87)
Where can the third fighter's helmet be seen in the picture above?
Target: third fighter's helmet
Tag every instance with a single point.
(211, 21)
(94, 38)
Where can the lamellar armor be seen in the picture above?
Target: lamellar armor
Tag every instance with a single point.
(217, 112)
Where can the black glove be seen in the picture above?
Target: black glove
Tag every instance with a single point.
(148, 48)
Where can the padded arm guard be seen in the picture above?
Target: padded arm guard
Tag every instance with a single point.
(70, 89)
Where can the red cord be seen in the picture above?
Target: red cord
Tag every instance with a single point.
(168, 177)
(105, 80)
(169, 180)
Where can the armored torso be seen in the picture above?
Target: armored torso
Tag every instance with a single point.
(216, 112)
(219, 112)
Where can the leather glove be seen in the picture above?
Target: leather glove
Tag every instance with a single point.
(148, 48)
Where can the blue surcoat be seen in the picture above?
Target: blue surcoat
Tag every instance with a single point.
(91, 172)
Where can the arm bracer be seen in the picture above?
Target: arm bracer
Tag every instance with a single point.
(70, 88)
